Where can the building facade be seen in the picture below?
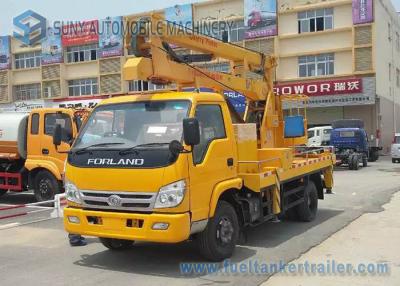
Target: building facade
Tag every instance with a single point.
(349, 66)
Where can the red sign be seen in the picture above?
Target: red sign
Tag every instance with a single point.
(80, 33)
(318, 88)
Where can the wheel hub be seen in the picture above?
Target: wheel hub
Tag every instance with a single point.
(225, 230)
(44, 187)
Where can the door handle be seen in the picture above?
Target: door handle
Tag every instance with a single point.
(229, 162)
(45, 151)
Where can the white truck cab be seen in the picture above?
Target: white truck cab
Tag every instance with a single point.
(396, 148)
(319, 136)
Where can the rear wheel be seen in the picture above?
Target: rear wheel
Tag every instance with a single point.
(307, 210)
(218, 240)
(46, 186)
(3, 192)
(116, 244)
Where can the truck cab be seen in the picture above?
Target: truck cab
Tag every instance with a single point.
(319, 136)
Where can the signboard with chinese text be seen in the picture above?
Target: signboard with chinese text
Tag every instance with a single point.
(319, 88)
(81, 33)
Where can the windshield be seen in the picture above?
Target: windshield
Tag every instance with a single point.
(396, 140)
(310, 133)
(134, 123)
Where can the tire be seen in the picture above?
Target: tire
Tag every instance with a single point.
(365, 162)
(224, 223)
(307, 210)
(116, 244)
(46, 186)
(3, 192)
(356, 162)
(393, 161)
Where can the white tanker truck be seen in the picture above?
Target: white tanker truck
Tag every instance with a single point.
(28, 158)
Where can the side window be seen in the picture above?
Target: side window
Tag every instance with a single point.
(318, 133)
(212, 127)
(50, 121)
(35, 124)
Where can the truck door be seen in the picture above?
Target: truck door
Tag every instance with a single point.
(48, 151)
(212, 158)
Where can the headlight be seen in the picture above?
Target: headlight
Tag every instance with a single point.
(171, 195)
(72, 192)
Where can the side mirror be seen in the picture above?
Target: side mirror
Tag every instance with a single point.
(57, 135)
(191, 131)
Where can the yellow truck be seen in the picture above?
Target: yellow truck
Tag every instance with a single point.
(177, 165)
(28, 158)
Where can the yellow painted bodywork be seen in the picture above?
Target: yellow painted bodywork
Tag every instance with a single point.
(53, 161)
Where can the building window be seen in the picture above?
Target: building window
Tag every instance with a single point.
(27, 91)
(389, 32)
(235, 30)
(141, 85)
(317, 65)
(28, 60)
(79, 87)
(398, 77)
(315, 20)
(397, 41)
(390, 71)
(82, 53)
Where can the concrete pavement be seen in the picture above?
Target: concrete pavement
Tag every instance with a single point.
(372, 238)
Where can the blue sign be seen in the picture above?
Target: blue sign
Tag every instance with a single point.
(5, 51)
(237, 100)
(51, 48)
(110, 37)
(180, 15)
(31, 28)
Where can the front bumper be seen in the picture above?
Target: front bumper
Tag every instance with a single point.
(115, 225)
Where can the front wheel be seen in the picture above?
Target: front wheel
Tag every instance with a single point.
(356, 162)
(218, 240)
(46, 186)
(116, 244)
(3, 192)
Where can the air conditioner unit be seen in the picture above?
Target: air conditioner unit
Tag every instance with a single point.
(48, 92)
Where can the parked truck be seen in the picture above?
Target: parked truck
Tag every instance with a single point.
(28, 159)
(352, 144)
(173, 165)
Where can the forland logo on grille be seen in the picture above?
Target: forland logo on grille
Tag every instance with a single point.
(30, 27)
(112, 162)
(114, 201)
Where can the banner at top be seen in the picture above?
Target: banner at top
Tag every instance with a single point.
(5, 50)
(51, 48)
(260, 18)
(180, 14)
(363, 11)
(81, 33)
(110, 37)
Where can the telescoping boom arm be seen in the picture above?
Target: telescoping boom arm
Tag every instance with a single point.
(156, 61)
